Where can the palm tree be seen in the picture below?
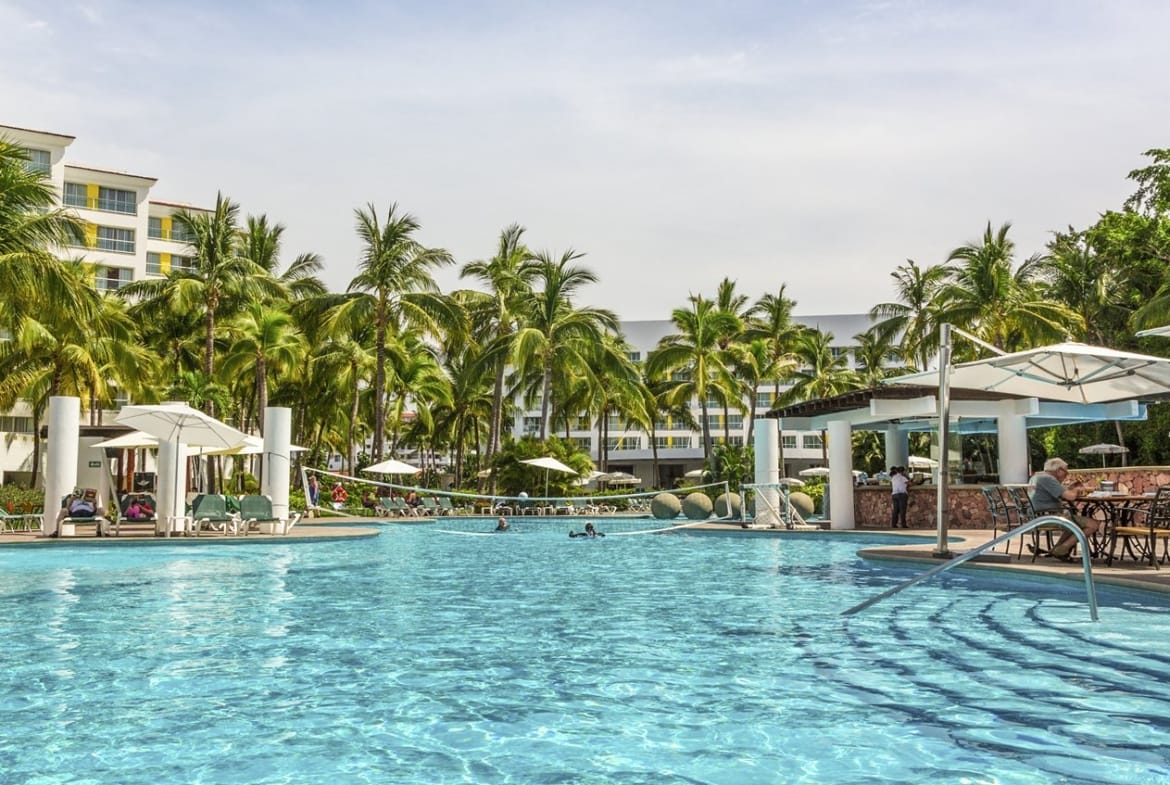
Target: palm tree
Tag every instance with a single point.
(911, 318)
(394, 290)
(1004, 307)
(553, 335)
(502, 274)
(822, 373)
(260, 242)
(264, 342)
(693, 359)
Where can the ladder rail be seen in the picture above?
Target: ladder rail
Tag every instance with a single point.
(1035, 523)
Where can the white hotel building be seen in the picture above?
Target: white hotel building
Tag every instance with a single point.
(129, 237)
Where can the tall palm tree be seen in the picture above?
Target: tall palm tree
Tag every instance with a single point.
(394, 290)
(554, 335)
(693, 359)
(264, 343)
(1003, 306)
(822, 373)
(504, 275)
(260, 241)
(912, 317)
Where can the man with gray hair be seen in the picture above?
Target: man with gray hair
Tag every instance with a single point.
(1048, 494)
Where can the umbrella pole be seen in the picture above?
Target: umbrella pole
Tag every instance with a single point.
(941, 550)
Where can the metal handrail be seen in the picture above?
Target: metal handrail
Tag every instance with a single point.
(1044, 520)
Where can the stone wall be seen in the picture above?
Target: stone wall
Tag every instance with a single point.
(968, 506)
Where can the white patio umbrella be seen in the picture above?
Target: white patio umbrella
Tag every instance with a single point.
(619, 478)
(696, 474)
(920, 462)
(175, 424)
(815, 471)
(392, 466)
(130, 441)
(548, 463)
(1103, 450)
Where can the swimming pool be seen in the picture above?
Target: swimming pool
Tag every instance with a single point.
(422, 657)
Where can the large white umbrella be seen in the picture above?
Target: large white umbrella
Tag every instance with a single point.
(175, 424)
(1103, 450)
(548, 463)
(696, 474)
(130, 441)
(920, 462)
(392, 466)
(619, 478)
(815, 471)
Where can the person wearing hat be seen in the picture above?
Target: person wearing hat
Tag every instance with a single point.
(1048, 493)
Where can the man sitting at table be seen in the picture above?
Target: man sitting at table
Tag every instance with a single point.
(1048, 494)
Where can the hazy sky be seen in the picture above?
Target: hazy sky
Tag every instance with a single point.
(818, 144)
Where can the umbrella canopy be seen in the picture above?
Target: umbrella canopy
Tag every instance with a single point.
(392, 466)
(1073, 372)
(619, 478)
(791, 482)
(548, 462)
(1103, 450)
(920, 462)
(130, 441)
(695, 474)
(180, 423)
(815, 471)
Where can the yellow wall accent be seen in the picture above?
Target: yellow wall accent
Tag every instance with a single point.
(164, 259)
(92, 191)
(91, 235)
(166, 229)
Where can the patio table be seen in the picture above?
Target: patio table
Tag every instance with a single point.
(1112, 510)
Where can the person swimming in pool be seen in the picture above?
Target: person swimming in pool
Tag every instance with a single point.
(589, 531)
(502, 524)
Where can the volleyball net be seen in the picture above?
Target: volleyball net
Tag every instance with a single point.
(621, 513)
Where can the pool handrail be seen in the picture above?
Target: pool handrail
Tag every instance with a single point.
(1043, 520)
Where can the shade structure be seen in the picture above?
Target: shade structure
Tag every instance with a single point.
(177, 425)
(130, 441)
(392, 466)
(548, 463)
(1072, 372)
(619, 478)
(815, 471)
(696, 474)
(920, 462)
(180, 423)
(791, 482)
(1103, 450)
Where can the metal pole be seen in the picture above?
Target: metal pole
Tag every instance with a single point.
(944, 414)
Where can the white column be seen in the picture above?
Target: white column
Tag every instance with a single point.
(60, 456)
(277, 438)
(767, 448)
(172, 486)
(841, 475)
(897, 446)
(1013, 445)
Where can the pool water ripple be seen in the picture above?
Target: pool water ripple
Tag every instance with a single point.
(528, 658)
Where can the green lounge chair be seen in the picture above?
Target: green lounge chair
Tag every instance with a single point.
(257, 510)
(209, 511)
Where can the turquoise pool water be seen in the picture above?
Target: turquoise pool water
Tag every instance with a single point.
(423, 657)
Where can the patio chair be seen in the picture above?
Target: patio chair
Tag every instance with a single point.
(1001, 515)
(430, 507)
(449, 507)
(209, 511)
(1141, 541)
(256, 510)
(100, 523)
(10, 523)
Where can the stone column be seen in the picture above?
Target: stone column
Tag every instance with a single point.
(1013, 445)
(277, 438)
(767, 448)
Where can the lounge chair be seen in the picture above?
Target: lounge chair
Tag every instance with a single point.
(209, 511)
(450, 508)
(256, 511)
(430, 507)
(100, 523)
(19, 522)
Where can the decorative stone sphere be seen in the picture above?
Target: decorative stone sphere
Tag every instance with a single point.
(523, 494)
(665, 506)
(803, 503)
(728, 505)
(697, 506)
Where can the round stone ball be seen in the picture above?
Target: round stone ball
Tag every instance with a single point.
(665, 506)
(803, 503)
(697, 506)
(728, 505)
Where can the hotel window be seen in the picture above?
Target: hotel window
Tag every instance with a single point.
(531, 425)
(672, 442)
(111, 279)
(634, 356)
(115, 200)
(734, 441)
(111, 238)
(764, 400)
(153, 263)
(75, 195)
(714, 421)
(735, 421)
(154, 229)
(618, 443)
(182, 262)
(788, 442)
(811, 441)
(582, 442)
(38, 161)
(16, 424)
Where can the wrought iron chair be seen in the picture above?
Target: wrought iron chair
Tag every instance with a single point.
(1155, 526)
(1026, 512)
(1001, 517)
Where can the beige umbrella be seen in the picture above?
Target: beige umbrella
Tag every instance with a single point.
(548, 463)
(392, 466)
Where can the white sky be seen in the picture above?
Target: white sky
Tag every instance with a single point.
(814, 143)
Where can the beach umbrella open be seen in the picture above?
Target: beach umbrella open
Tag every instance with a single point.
(619, 478)
(548, 463)
(392, 466)
(1103, 450)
